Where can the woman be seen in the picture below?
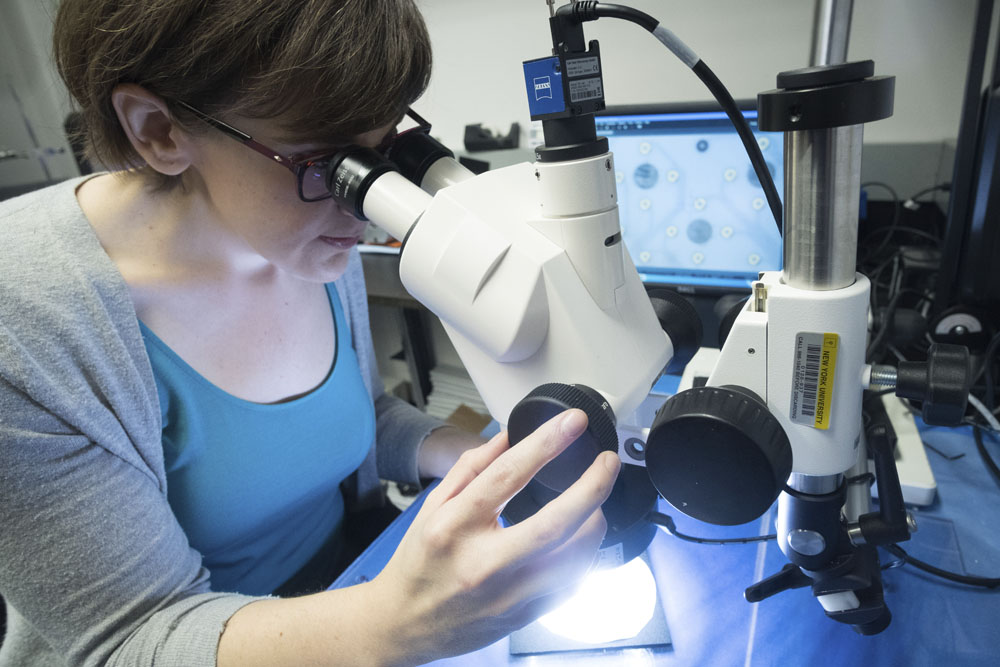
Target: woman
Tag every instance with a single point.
(189, 410)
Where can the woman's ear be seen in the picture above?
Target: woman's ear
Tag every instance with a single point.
(151, 129)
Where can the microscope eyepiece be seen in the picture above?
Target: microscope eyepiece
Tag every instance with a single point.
(351, 173)
(414, 152)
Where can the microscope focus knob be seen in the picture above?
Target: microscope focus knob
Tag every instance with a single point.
(544, 403)
(718, 454)
(942, 383)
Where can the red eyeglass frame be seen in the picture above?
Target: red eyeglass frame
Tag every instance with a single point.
(298, 164)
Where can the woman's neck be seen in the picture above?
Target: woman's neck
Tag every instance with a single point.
(162, 239)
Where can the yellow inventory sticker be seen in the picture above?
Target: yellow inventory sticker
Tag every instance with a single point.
(814, 369)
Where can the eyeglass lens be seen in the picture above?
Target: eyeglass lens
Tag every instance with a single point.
(313, 181)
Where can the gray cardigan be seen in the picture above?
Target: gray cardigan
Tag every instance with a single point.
(94, 567)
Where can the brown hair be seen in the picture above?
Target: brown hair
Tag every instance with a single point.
(332, 69)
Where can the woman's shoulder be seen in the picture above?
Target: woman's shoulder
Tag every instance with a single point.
(48, 241)
(60, 294)
(73, 353)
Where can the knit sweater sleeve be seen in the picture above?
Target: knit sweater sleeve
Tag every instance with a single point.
(94, 567)
(400, 428)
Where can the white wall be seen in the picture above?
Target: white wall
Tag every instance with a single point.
(31, 94)
(479, 47)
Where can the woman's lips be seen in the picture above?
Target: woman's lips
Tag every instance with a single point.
(342, 242)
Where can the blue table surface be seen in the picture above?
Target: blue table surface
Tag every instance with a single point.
(935, 622)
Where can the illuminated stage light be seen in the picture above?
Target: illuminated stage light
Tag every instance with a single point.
(610, 605)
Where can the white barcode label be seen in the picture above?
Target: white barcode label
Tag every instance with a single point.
(585, 89)
(813, 373)
(609, 557)
(582, 67)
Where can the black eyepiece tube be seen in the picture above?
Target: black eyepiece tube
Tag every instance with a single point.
(351, 172)
(414, 153)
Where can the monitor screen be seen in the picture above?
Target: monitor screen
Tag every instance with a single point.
(693, 214)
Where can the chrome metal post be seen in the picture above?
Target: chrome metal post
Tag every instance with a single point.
(822, 190)
(831, 32)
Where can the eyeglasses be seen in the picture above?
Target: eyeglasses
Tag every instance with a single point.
(309, 169)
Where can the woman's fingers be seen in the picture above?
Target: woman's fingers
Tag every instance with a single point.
(489, 492)
(456, 566)
(562, 518)
(469, 466)
(548, 579)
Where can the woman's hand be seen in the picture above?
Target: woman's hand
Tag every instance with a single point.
(458, 581)
(442, 448)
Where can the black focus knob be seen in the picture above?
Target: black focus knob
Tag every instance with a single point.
(718, 454)
(544, 403)
(682, 324)
(942, 383)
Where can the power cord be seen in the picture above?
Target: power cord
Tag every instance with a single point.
(983, 582)
(590, 10)
(991, 465)
(667, 522)
(986, 371)
(898, 204)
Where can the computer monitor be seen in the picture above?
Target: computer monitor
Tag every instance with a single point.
(693, 214)
(966, 303)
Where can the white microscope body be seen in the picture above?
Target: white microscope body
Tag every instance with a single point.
(526, 268)
(803, 352)
(527, 271)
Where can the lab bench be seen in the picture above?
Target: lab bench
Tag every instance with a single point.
(701, 588)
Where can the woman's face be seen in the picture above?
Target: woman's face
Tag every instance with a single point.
(256, 202)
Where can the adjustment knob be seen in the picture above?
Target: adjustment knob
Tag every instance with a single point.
(942, 383)
(682, 324)
(544, 403)
(718, 454)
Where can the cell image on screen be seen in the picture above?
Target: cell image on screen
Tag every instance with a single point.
(691, 207)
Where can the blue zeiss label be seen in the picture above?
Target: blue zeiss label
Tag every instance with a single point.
(544, 84)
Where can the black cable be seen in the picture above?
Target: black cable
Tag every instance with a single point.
(722, 95)
(924, 295)
(667, 522)
(880, 337)
(984, 582)
(885, 186)
(589, 10)
(914, 198)
(897, 206)
(620, 12)
(891, 230)
(991, 465)
(895, 212)
(934, 188)
(873, 277)
(987, 372)
(881, 267)
(990, 349)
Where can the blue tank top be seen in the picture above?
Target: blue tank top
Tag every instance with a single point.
(256, 486)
